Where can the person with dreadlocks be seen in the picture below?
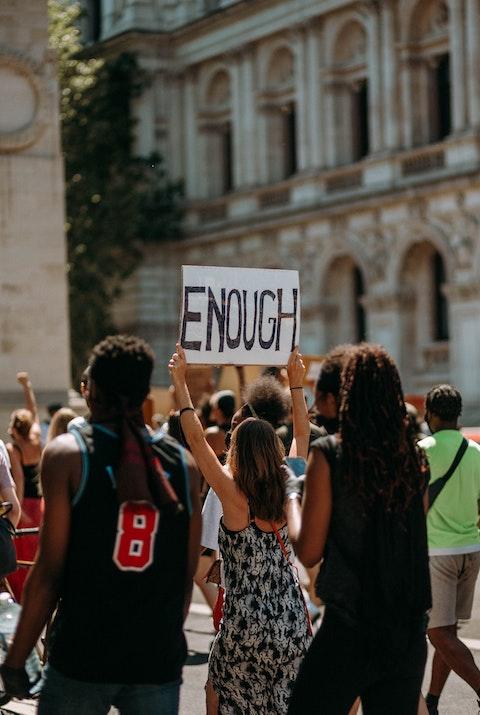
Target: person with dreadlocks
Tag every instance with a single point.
(363, 514)
(118, 551)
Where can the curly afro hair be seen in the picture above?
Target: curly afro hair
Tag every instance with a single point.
(444, 401)
(121, 367)
(269, 399)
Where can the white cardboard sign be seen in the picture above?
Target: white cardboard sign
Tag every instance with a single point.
(239, 316)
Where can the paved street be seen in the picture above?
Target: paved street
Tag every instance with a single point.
(458, 698)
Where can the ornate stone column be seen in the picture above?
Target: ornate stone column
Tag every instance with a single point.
(191, 135)
(374, 77)
(464, 304)
(237, 120)
(457, 44)
(248, 113)
(390, 76)
(406, 101)
(316, 127)
(472, 16)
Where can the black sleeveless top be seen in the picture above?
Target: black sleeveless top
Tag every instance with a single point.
(31, 478)
(375, 572)
(120, 614)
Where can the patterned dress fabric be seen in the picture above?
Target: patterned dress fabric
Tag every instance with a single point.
(263, 637)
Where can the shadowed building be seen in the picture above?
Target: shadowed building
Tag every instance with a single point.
(340, 138)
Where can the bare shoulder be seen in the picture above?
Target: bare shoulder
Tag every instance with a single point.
(61, 459)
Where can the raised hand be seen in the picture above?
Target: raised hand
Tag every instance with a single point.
(178, 365)
(296, 368)
(23, 378)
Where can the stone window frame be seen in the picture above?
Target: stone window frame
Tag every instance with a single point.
(274, 100)
(213, 121)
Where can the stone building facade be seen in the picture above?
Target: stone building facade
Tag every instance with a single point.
(33, 292)
(340, 138)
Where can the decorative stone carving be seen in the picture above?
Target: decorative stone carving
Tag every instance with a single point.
(280, 68)
(351, 45)
(218, 91)
(439, 19)
(22, 119)
(377, 243)
(464, 234)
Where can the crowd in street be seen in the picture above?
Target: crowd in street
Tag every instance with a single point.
(379, 505)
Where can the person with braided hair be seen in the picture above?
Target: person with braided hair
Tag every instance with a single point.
(363, 514)
(118, 550)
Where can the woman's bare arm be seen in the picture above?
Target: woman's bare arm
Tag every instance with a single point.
(308, 526)
(301, 424)
(206, 459)
(28, 395)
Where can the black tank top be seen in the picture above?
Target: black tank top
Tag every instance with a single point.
(375, 574)
(31, 478)
(120, 615)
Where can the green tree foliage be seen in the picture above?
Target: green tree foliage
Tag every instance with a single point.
(115, 202)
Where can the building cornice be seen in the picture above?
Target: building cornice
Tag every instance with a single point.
(283, 217)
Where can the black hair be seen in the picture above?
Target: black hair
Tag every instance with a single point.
(329, 378)
(378, 449)
(444, 401)
(121, 367)
(226, 403)
(268, 399)
(54, 407)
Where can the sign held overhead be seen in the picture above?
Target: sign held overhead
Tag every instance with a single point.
(239, 316)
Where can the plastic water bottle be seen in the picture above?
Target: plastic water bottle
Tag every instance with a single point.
(9, 615)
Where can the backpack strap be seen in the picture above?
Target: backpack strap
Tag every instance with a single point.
(437, 486)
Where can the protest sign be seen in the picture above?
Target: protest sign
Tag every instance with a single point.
(239, 316)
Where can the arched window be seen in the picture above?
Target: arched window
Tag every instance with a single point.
(430, 88)
(425, 329)
(344, 309)
(216, 127)
(278, 108)
(349, 87)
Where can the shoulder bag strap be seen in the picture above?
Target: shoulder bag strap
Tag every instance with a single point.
(437, 486)
(297, 578)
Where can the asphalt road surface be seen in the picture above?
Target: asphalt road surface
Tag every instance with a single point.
(458, 698)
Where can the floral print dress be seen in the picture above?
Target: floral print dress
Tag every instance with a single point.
(264, 633)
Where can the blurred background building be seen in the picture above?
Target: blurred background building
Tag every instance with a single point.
(340, 138)
(34, 332)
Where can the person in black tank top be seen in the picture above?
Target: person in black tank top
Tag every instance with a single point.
(363, 514)
(118, 553)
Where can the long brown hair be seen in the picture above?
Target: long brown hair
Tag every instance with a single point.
(378, 450)
(256, 458)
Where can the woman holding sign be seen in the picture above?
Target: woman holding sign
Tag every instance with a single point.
(265, 630)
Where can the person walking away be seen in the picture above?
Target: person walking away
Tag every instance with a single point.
(118, 551)
(453, 539)
(264, 632)
(363, 514)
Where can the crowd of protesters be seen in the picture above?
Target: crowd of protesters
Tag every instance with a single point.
(380, 509)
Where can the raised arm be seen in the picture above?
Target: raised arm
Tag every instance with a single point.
(301, 424)
(204, 455)
(28, 395)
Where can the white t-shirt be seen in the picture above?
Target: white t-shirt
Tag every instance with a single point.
(6, 480)
(211, 515)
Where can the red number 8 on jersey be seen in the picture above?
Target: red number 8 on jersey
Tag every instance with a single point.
(135, 543)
